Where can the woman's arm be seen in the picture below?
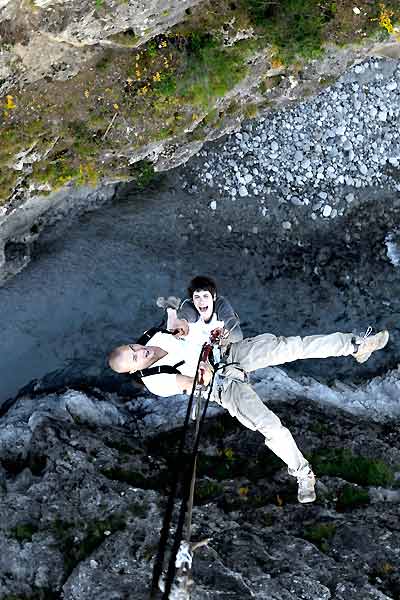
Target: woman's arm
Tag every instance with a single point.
(188, 311)
(225, 313)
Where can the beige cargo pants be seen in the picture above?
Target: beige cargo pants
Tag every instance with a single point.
(242, 402)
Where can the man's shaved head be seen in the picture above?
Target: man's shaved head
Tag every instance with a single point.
(131, 358)
(120, 360)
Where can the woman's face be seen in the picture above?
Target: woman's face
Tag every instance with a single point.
(204, 303)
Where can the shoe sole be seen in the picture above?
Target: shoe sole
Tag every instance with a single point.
(364, 357)
(308, 500)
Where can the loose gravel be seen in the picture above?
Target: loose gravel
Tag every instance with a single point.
(318, 154)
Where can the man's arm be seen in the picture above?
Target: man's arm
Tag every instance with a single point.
(175, 324)
(185, 383)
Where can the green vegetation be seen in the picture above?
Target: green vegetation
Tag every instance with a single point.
(60, 171)
(251, 111)
(192, 67)
(82, 139)
(319, 427)
(352, 497)
(221, 467)
(91, 536)
(294, 27)
(356, 469)
(138, 509)
(105, 60)
(300, 28)
(126, 475)
(128, 38)
(23, 532)
(320, 534)
(13, 140)
(57, 173)
(386, 572)
(210, 70)
(227, 465)
(8, 179)
(207, 490)
(143, 173)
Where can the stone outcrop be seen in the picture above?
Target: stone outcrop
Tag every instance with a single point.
(83, 482)
(49, 39)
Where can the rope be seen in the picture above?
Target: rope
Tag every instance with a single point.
(188, 488)
(193, 481)
(184, 504)
(159, 561)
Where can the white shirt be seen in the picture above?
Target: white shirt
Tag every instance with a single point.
(187, 349)
(199, 332)
(165, 384)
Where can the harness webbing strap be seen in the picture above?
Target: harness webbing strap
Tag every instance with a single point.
(147, 335)
(162, 369)
(167, 369)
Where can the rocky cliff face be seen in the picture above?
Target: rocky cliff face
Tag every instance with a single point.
(83, 483)
(91, 90)
(46, 40)
(98, 93)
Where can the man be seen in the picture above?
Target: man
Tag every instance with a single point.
(202, 312)
(232, 389)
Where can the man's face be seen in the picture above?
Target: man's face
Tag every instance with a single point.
(140, 356)
(204, 303)
(134, 357)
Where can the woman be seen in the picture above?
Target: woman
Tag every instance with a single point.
(203, 312)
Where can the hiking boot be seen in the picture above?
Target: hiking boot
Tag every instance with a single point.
(306, 491)
(367, 344)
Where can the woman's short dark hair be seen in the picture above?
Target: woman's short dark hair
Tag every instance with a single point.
(202, 283)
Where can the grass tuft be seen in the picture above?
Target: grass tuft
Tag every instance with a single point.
(320, 534)
(343, 463)
(352, 497)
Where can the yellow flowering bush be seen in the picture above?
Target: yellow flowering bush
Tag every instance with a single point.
(385, 21)
(10, 103)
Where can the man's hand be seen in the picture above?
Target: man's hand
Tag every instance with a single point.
(205, 373)
(179, 327)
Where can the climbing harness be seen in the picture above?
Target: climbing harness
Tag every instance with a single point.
(180, 562)
(164, 369)
(168, 369)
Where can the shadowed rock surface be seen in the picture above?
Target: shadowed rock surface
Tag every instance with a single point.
(83, 484)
